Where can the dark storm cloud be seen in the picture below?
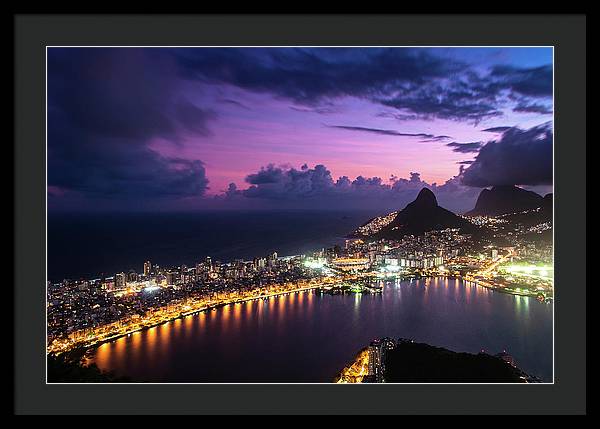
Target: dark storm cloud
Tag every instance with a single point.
(439, 101)
(519, 157)
(536, 81)
(423, 136)
(465, 147)
(308, 76)
(533, 108)
(114, 93)
(104, 108)
(415, 82)
(114, 167)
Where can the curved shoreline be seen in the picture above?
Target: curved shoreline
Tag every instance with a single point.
(96, 344)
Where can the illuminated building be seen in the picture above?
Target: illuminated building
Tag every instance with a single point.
(259, 263)
(120, 281)
(272, 260)
(414, 261)
(171, 278)
(351, 264)
(199, 270)
(147, 268)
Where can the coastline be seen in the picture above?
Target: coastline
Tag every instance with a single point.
(133, 330)
(97, 343)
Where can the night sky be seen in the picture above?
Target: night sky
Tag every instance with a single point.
(164, 129)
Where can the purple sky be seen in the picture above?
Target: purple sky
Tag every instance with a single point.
(171, 129)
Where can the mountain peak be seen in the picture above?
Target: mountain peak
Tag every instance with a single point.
(422, 215)
(504, 188)
(505, 199)
(426, 198)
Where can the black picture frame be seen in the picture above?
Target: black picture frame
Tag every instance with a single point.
(567, 33)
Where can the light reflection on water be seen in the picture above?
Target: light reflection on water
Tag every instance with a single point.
(308, 337)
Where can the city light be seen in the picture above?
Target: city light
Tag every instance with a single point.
(315, 265)
(542, 271)
(162, 294)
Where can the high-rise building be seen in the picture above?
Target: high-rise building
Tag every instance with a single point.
(199, 270)
(272, 260)
(171, 278)
(147, 268)
(120, 281)
(259, 263)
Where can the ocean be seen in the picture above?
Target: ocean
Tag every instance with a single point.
(87, 245)
(308, 338)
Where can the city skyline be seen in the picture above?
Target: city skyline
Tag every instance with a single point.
(171, 129)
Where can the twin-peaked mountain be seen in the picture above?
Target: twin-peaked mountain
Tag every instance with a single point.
(515, 205)
(507, 199)
(422, 215)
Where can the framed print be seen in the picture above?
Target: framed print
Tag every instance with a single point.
(302, 214)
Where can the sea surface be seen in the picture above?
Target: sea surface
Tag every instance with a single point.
(84, 245)
(302, 337)
(307, 337)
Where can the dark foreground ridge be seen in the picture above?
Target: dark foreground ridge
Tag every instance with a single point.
(387, 360)
(411, 362)
(69, 368)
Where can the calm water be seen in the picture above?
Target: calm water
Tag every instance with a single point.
(306, 337)
(87, 245)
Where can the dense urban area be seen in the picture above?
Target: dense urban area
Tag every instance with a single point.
(508, 253)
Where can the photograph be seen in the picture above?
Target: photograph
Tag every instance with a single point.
(307, 214)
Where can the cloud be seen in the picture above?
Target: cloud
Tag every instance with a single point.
(423, 136)
(275, 186)
(270, 174)
(536, 81)
(533, 108)
(414, 82)
(441, 101)
(308, 76)
(497, 129)
(519, 157)
(105, 107)
(465, 147)
(234, 103)
(319, 110)
(193, 118)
